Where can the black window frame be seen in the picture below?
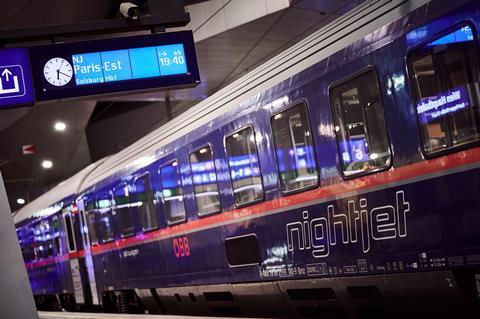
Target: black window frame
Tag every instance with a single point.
(410, 78)
(101, 239)
(289, 107)
(167, 220)
(70, 234)
(114, 206)
(154, 207)
(93, 227)
(209, 145)
(259, 166)
(343, 80)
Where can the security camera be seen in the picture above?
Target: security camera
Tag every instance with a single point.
(130, 10)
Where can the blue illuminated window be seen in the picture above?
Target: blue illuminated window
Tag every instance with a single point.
(205, 181)
(172, 194)
(445, 81)
(294, 148)
(244, 167)
(360, 125)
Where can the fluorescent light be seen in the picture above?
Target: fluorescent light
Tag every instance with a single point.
(47, 164)
(59, 126)
(20, 201)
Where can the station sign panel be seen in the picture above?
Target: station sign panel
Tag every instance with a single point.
(16, 87)
(110, 66)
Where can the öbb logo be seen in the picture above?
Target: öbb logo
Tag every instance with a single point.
(181, 248)
(379, 223)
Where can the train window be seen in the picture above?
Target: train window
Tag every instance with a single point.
(47, 237)
(70, 233)
(205, 181)
(27, 251)
(43, 240)
(445, 78)
(144, 201)
(294, 148)
(360, 125)
(123, 213)
(55, 228)
(104, 223)
(105, 228)
(92, 231)
(172, 194)
(244, 167)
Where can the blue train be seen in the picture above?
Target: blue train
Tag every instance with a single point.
(339, 179)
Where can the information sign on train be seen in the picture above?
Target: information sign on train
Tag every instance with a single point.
(110, 66)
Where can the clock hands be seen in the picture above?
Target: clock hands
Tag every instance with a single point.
(59, 72)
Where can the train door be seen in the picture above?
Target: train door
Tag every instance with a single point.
(69, 221)
(87, 251)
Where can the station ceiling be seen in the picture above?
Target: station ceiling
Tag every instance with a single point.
(221, 58)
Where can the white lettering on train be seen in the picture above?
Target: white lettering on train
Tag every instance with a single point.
(358, 224)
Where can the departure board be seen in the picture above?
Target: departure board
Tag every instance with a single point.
(121, 65)
(111, 66)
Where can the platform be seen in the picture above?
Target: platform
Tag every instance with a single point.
(80, 315)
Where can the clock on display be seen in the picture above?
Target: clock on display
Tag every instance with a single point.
(58, 71)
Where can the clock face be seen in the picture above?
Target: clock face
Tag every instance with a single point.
(58, 71)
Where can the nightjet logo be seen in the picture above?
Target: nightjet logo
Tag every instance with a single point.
(358, 224)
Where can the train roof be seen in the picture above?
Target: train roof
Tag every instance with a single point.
(65, 189)
(361, 21)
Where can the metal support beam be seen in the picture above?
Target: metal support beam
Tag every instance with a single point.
(160, 14)
(16, 298)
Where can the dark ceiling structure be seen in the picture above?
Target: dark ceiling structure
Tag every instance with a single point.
(98, 127)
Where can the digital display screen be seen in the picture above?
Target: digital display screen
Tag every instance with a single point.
(114, 66)
(463, 34)
(121, 65)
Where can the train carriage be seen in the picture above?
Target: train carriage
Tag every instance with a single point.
(337, 179)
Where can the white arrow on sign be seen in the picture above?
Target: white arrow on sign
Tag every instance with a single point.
(6, 73)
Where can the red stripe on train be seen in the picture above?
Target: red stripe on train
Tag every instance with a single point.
(55, 260)
(393, 175)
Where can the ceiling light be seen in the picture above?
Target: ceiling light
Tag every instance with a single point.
(47, 164)
(20, 201)
(59, 126)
